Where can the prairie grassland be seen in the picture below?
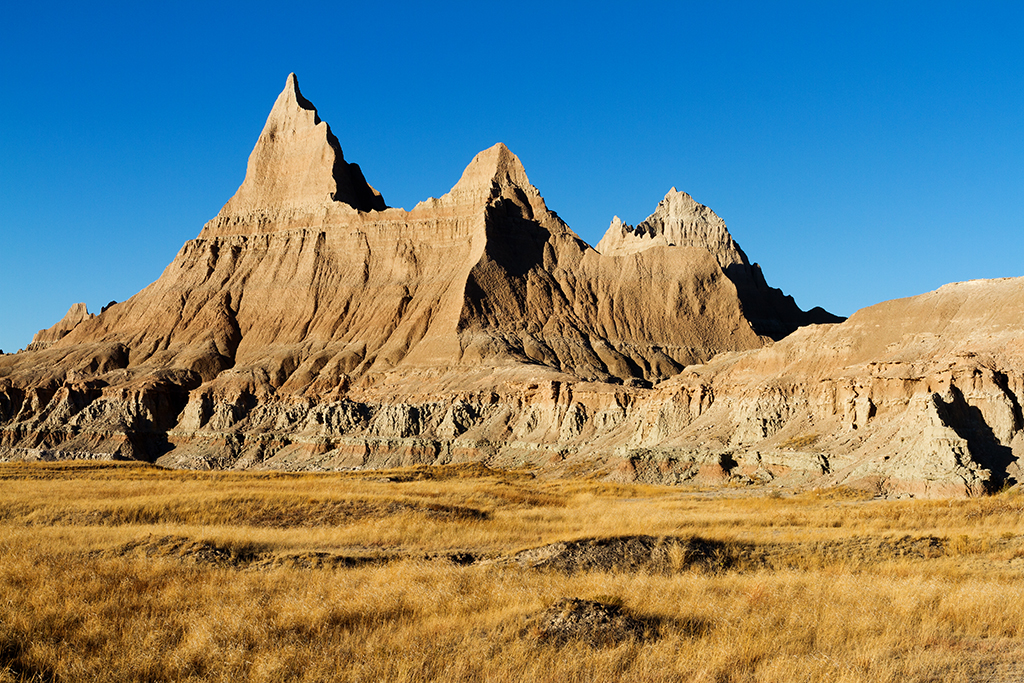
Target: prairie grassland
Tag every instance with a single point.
(120, 572)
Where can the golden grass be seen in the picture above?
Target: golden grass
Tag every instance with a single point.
(134, 573)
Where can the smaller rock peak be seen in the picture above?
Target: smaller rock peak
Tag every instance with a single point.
(292, 94)
(676, 196)
(78, 313)
(495, 165)
(494, 172)
(679, 220)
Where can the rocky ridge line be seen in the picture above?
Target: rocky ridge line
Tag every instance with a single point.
(303, 331)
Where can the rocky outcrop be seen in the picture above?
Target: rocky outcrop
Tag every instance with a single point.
(308, 326)
(76, 314)
(679, 221)
(296, 169)
(916, 396)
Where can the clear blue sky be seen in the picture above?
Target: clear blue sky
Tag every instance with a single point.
(858, 151)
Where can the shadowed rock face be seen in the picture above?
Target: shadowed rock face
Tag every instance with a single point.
(308, 326)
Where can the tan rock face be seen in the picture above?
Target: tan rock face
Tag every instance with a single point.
(76, 314)
(917, 396)
(679, 221)
(308, 326)
(296, 169)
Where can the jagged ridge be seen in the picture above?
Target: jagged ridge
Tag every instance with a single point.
(308, 328)
(681, 221)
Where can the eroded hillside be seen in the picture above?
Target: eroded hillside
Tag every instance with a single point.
(309, 326)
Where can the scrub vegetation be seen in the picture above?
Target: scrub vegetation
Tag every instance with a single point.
(130, 572)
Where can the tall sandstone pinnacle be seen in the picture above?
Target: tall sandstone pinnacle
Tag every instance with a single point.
(309, 326)
(296, 167)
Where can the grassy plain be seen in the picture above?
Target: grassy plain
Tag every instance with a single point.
(116, 572)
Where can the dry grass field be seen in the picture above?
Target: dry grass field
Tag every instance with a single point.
(118, 572)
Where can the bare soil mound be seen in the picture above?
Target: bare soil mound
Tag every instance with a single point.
(589, 621)
(628, 554)
(649, 554)
(317, 560)
(671, 554)
(191, 551)
(185, 550)
(278, 512)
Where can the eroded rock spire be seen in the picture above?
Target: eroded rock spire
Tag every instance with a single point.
(297, 164)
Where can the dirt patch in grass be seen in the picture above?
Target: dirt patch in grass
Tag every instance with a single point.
(267, 512)
(627, 554)
(673, 553)
(649, 554)
(317, 560)
(589, 621)
(185, 550)
(191, 551)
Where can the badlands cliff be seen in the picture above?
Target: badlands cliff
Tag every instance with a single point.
(309, 326)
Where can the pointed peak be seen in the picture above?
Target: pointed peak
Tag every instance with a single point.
(495, 165)
(296, 165)
(679, 220)
(292, 95)
(291, 109)
(677, 195)
(78, 313)
(495, 174)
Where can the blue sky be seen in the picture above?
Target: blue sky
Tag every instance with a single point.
(858, 151)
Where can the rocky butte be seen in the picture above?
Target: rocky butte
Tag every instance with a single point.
(311, 327)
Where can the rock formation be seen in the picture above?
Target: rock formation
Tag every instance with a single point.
(295, 169)
(76, 314)
(681, 221)
(309, 326)
(916, 396)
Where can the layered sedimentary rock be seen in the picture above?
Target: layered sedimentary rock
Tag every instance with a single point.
(76, 314)
(679, 221)
(309, 326)
(914, 396)
(306, 288)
